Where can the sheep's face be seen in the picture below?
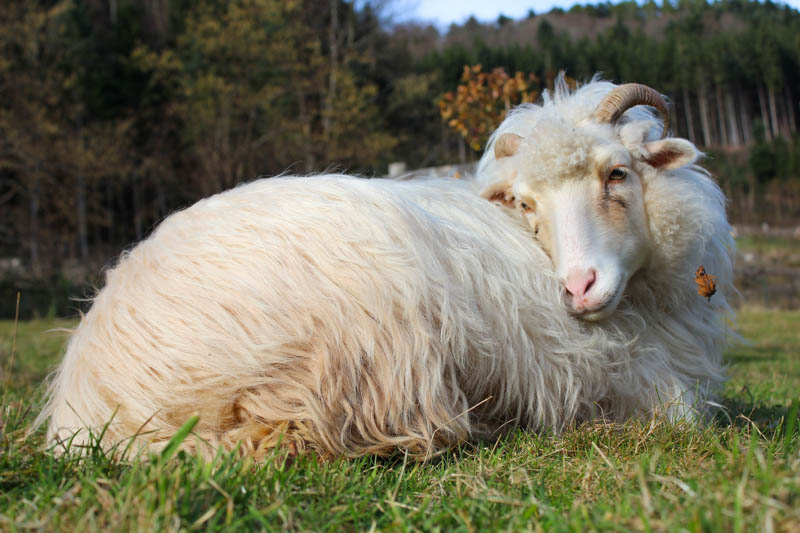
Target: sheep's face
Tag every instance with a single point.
(582, 194)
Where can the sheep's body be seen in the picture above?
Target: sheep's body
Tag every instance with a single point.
(368, 314)
(361, 316)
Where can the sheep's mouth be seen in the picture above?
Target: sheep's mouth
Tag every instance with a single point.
(602, 310)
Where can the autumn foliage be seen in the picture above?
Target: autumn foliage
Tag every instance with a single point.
(482, 100)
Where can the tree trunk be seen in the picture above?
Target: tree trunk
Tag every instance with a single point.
(762, 101)
(687, 111)
(161, 197)
(733, 128)
(227, 160)
(137, 200)
(33, 209)
(97, 236)
(704, 122)
(112, 11)
(333, 45)
(308, 147)
(790, 110)
(786, 105)
(83, 231)
(250, 149)
(773, 113)
(744, 117)
(724, 140)
(121, 231)
(110, 206)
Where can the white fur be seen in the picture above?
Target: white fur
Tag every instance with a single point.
(359, 316)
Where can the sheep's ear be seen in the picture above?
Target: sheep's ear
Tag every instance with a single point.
(500, 193)
(506, 145)
(669, 154)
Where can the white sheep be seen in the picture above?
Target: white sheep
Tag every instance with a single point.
(355, 316)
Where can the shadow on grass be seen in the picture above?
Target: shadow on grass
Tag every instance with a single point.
(757, 354)
(740, 413)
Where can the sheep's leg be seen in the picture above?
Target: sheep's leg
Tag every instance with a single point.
(675, 402)
(681, 403)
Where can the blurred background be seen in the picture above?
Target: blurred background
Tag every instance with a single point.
(114, 113)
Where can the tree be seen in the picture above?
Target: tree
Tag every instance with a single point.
(482, 100)
(46, 145)
(256, 88)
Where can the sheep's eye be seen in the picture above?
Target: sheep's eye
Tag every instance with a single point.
(525, 207)
(617, 174)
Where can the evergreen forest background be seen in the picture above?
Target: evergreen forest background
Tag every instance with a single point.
(114, 113)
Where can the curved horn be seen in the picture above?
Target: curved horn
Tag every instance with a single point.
(627, 96)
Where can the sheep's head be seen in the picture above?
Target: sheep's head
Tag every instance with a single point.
(577, 172)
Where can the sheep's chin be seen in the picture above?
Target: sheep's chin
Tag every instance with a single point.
(597, 314)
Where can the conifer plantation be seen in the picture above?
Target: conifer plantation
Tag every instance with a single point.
(114, 113)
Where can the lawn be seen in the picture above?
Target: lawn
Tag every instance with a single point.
(742, 473)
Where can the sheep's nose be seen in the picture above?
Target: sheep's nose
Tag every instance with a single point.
(578, 283)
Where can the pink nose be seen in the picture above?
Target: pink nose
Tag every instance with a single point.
(578, 283)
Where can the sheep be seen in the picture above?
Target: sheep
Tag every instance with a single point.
(351, 316)
(627, 217)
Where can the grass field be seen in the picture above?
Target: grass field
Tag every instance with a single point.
(767, 244)
(741, 474)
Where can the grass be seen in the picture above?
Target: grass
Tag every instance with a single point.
(763, 243)
(741, 474)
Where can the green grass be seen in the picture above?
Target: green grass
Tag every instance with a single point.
(39, 345)
(761, 244)
(738, 475)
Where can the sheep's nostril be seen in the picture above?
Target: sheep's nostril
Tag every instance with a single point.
(591, 281)
(579, 282)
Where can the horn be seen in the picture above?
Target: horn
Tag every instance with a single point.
(506, 145)
(627, 96)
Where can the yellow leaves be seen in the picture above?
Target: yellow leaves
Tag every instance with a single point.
(483, 99)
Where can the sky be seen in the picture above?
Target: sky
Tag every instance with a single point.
(442, 13)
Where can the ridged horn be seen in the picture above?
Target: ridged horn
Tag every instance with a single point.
(627, 96)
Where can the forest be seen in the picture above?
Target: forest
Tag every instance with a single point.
(114, 113)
